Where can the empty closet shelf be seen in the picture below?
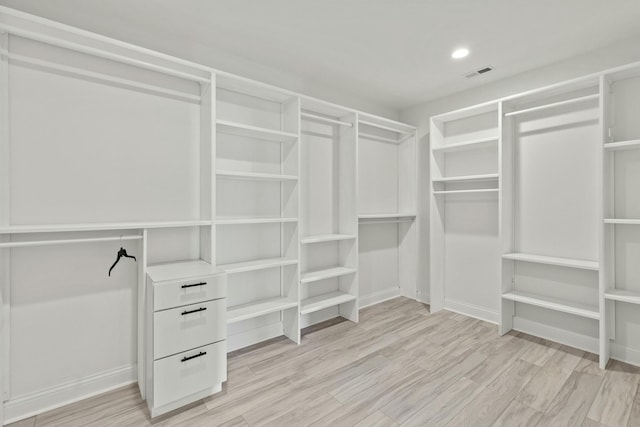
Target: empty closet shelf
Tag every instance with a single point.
(556, 304)
(467, 178)
(623, 145)
(59, 228)
(622, 221)
(470, 191)
(259, 308)
(323, 301)
(239, 129)
(260, 264)
(319, 238)
(561, 262)
(386, 216)
(241, 221)
(632, 297)
(314, 276)
(468, 145)
(255, 176)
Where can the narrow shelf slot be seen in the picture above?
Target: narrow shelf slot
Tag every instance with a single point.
(323, 301)
(632, 297)
(556, 304)
(60, 228)
(561, 262)
(241, 221)
(319, 238)
(468, 145)
(622, 221)
(239, 129)
(468, 178)
(553, 105)
(259, 308)
(623, 145)
(328, 273)
(260, 264)
(470, 191)
(255, 176)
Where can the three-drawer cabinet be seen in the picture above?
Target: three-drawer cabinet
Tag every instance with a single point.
(185, 334)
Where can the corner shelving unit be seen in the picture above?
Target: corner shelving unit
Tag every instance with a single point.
(387, 209)
(329, 255)
(257, 195)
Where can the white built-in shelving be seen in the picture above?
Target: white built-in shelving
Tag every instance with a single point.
(255, 176)
(64, 228)
(247, 221)
(322, 238)
(259, 264)
(622, 221)
(326, 273)
(248, 131)
(557, 261)
(633, 144)
(478, 143)
(556, 304)
(467, 191)
(261, 308)
(325, 301)
(631, 297)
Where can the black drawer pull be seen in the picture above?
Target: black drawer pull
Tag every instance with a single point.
(184, 313)
(194, 284)
(202, 353)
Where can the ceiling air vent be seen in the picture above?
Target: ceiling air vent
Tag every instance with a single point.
(482, 70)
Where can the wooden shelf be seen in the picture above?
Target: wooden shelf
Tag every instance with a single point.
(314, 276)
(623, 145)
(632, 297)
(260, 264)
(60, 228)
(386, 216)
(239, 129)
(468, 145)
(468, 178)
(561, 262)
(260, 308)
(323, 301)
(470, 191)
(255, 176)
(241, 221)
(622, 221)
(555, 304)
(319, 238)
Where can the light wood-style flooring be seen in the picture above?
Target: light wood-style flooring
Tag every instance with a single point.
(400, 366)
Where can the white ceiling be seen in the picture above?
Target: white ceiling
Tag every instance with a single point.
(395, 53)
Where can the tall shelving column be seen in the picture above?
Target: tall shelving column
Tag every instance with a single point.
(465, 173)
(257, 202)
(387, 209)
(620, 275)
(329, 244)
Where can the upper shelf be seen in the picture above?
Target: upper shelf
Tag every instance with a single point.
(468, 178)
(255, 176)
(553, 105)
(386, 215)
(623, 145)
(467, 145)
(60, 228)
(321, 238)
(560, 262)
(622, 221)
(239, 129)
(632, 297)
(243, 221)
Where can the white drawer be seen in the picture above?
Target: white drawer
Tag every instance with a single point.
(184, 328)
(178, 293)
(184, 374)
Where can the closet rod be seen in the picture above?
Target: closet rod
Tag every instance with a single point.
(552, 105)
(31, 35)
(315, 117)
(376, 125)
(378, 138)
(67, 241)
(102, 77)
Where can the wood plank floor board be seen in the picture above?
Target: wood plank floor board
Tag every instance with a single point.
(401, 365)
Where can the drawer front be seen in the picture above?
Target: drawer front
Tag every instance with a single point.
(175, 294)
(184, 328)
(179, 376)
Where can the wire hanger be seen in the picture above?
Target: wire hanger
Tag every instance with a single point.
(121, 253)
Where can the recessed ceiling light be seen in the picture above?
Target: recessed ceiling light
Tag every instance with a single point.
(460, 53)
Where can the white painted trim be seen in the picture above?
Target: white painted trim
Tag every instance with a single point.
(44, 400)
(624, 354)
(254, 336)
(472, 310)
(563, 336)
(378, 297)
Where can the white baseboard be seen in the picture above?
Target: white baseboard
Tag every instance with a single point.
(378, 297)
(254, 336)
(471, 310)
(563, 336)
(41, 401)
(625, 354)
